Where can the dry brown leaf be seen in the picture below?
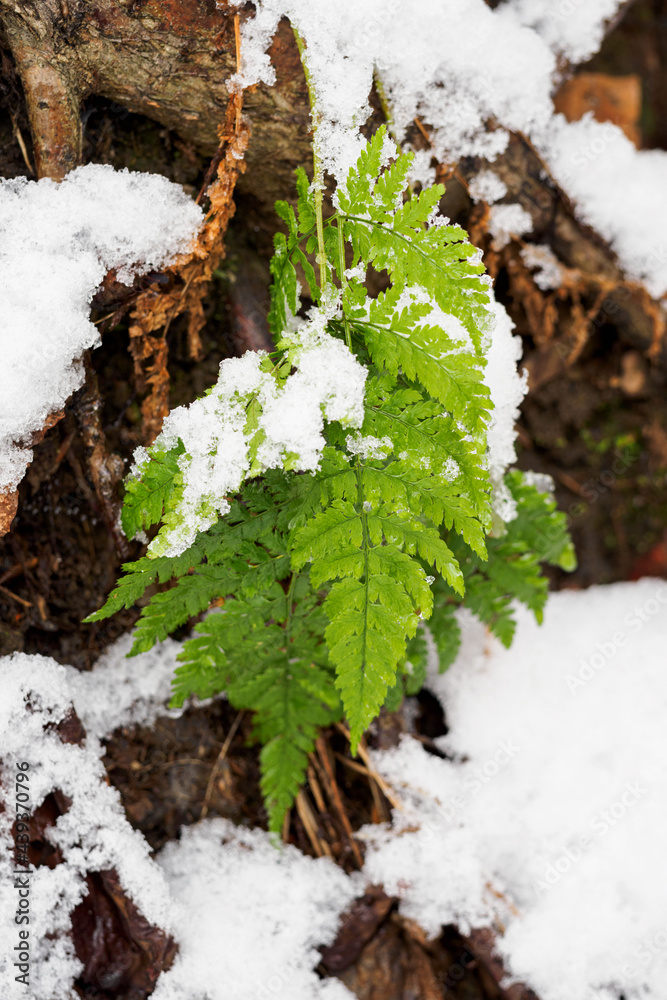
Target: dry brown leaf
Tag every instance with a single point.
(155, 309)
(9, 503)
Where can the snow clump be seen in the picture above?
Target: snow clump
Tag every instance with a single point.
(57, 242)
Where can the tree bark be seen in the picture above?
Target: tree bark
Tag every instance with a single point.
(165, 59)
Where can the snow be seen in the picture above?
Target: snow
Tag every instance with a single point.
(327, 385)
(487, 186)
(458, 65)
(124, 692)
(369, 447)
(540, 258)
(428, 61)
(507, 390)
(247, 914)
(572, 28)
(93, 835)
(549, 818)
(251, 917)
(617, 190)
(57, 242)
(507, 222)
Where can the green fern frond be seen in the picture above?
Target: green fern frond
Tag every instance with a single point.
(438, 258)
(268, 653)
(147, 494)
(140, 575)
(538, 534)
(399, 340)
(380, 594)
(334, 587)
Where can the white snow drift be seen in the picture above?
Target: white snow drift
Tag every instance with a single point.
(57, 242)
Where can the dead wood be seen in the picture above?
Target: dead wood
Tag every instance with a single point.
(165, 59)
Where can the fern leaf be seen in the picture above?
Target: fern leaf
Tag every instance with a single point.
(140, 575)
(147, 495)
(396, 238)
(275, 663)
(418, 428)
(285, 299)
(398, 341)
(380, 596)
(537, 534)
(170, 609)
(446, 633)
(366, 636)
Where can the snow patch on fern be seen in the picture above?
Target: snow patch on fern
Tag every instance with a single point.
(369, 447)
(329, 384)
(214, 430)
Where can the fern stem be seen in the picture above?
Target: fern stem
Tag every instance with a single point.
(386, 107)
(354, 743)
(343, 280)
(290, 606)
(318, 172)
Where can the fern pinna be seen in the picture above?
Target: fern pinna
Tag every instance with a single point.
(332, 497)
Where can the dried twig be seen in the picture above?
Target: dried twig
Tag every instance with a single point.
(216, 767)
(333, 792)
(14, 597)
(310, 826)
(363, 753)
(378, 801)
